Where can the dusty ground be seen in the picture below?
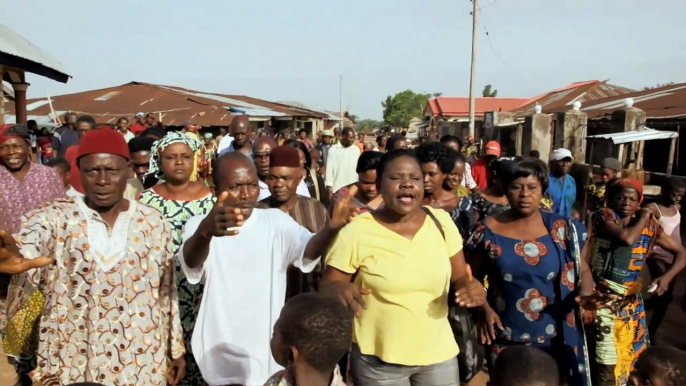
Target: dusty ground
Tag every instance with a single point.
(671, 332)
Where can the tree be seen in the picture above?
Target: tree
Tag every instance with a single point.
(659, 85)
(368, 124)
(488, 92)
(353, 117)
(403, 106)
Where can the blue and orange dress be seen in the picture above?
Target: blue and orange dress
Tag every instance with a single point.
(532, 287)
(620, 332)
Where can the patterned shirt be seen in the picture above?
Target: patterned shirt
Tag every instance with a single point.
(562, 190)
(111, 312)
(17, 198)
(284, 378)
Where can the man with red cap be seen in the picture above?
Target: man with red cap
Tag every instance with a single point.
(242, 253)
(480, 168)
(106, 269)
(24, 186)
(283, 180)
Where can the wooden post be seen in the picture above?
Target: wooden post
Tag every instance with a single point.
(620, 155)
(670, 161)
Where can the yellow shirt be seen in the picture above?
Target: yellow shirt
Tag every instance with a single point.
(405, 321)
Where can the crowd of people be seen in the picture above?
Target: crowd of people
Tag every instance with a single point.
(139, 255)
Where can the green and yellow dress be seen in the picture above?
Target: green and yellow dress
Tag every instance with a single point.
(177, 212)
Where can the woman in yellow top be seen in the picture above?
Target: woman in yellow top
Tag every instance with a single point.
(406, 259)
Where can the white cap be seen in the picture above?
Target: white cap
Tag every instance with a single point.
(560, 154)
(139, 114)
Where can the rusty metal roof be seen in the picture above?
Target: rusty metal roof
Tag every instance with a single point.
(173, 104)
(668, 102)
(563, 98)
(17, 51)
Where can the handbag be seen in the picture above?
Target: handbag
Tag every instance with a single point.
(471, 357)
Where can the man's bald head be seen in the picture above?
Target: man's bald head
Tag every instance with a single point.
(235, 174)
(262, 141)
(240, 131)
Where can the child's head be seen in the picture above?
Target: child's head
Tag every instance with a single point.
(660, 366)
(610, 169)
(61, 166)
(525, 366)
(312, 330)
(673, 190)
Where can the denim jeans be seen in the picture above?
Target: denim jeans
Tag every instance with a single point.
(369, 370)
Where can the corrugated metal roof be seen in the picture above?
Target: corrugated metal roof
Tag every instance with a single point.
(562, 99)
(16, 45)
(459, 106)
(175, 104)
(646, 134)
(659, 103)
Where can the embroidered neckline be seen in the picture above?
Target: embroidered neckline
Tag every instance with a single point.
(107, 248)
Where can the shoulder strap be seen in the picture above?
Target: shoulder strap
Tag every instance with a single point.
(434, 219)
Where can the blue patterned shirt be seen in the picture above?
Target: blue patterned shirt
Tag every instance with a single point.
(562, 190)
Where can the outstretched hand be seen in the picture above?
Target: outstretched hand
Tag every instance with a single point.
(473, 293)
(222, 217)
(344, 211)
(11, 260)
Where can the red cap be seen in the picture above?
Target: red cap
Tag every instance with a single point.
(493, 148)
(103, 141)
(284, 156)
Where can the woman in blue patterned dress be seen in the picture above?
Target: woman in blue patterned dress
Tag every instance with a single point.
(536, 272)
(178, 199)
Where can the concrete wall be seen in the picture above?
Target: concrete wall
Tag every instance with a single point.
(537, 135)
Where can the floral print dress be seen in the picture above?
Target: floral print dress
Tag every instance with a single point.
(532, 286)
(177, 212)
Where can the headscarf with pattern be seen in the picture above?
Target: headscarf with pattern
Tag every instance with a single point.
(161, 144)
(11, 130)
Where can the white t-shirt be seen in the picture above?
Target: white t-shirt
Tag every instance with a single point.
(245, 289)
(340, 166)
(224, 144)
(301, 190)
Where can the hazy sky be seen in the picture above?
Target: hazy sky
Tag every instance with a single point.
(296, 49)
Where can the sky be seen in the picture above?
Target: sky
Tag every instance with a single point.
(296, 50)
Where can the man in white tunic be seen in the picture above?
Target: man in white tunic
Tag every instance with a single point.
(242, 255)
(106, 269)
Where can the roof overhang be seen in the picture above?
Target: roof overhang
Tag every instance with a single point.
(646, 134)
(16, 51)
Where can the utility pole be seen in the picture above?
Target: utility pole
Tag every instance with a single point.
(340, 101)
(472, 75)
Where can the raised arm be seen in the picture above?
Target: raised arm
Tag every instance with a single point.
(628, 235)
(215, 224)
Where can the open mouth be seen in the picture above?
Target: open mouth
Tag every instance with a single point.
(406, 198)
(14, 161)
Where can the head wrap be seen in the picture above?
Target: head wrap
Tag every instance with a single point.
(10, 131)
(284, 156)
(158, 147)
(615, 185)
(103, 141)
(208, 135)
(612, 163)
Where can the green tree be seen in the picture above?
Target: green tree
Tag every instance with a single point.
(489, 92)
(353, 118)
(403, 106)
(368, 124)
(659, 85)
